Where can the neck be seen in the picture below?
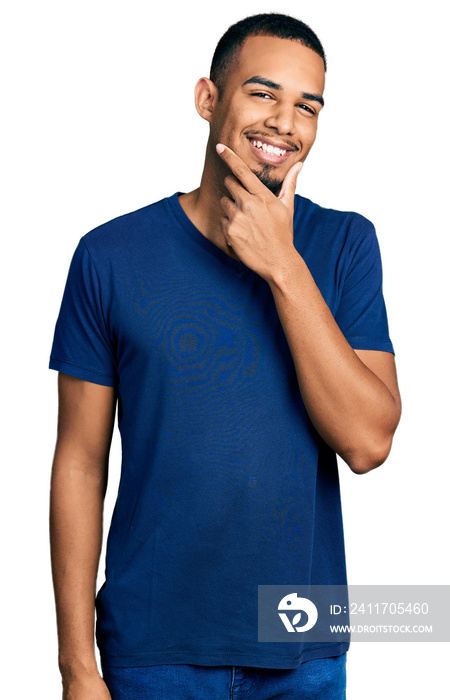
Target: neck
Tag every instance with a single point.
(202, 206)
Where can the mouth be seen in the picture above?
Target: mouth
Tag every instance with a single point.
(268, 151)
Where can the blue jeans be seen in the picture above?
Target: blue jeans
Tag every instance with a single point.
(321, 679)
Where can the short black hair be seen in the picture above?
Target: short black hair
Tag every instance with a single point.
(268, 24)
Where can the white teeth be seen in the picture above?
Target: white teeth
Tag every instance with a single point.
(267, 148)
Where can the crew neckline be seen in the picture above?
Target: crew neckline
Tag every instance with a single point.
(188, 226)
(177, 210)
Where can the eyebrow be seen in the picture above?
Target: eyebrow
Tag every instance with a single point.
(275, 86)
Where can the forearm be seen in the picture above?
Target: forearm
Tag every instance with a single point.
(350, 407)
(77, 495)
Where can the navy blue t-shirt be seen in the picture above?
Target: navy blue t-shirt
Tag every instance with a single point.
(225, 483)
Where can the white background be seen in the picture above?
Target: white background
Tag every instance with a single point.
(97, 120)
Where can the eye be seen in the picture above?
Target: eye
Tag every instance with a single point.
(263, 95)
(306, 108)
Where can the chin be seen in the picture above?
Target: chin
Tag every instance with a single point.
(272, 183)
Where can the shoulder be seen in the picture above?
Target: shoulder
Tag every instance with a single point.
(348, 226)
(128, 230)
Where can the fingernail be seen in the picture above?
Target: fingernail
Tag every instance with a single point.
(220, 148)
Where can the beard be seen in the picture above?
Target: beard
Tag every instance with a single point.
(264, 175)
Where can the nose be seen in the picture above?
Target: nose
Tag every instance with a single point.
(281, 118)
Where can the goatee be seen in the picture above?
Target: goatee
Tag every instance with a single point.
(270, 182)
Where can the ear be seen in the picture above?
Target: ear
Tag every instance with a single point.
(206, 98)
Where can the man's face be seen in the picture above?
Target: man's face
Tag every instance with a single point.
(270, 105)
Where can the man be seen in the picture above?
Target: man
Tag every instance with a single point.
(242, 331)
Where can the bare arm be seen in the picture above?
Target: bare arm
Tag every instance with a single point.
(351, 396)
(79, 478)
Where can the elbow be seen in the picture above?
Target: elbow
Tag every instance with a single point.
(368, 457)
(374, 450)
(361, 464)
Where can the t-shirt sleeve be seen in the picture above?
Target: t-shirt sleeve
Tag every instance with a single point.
(361, 314)
(82, 346)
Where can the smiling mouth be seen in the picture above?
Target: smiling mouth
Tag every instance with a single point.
(268, 148)
(268, 151)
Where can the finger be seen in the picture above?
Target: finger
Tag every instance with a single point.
(236, 190)
(228, 206)
(224, 225)
(240, 169)
(287, 192)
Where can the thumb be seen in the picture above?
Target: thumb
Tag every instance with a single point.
(287, 191)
